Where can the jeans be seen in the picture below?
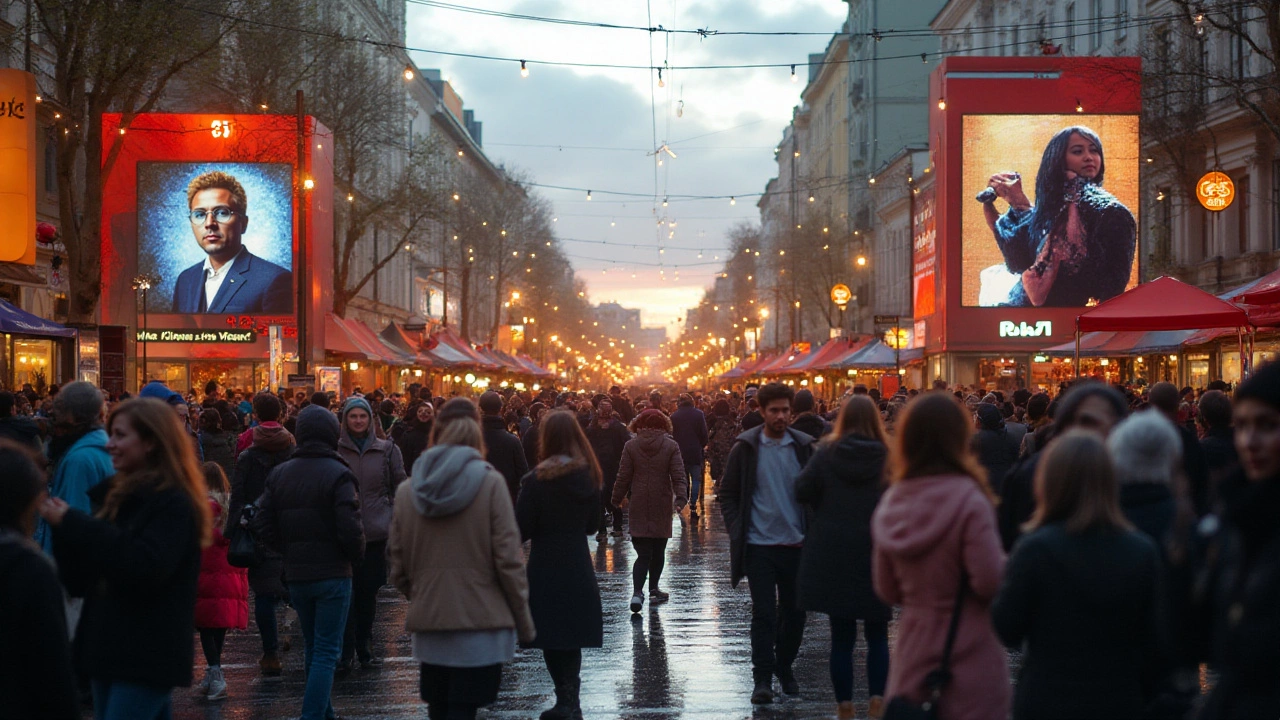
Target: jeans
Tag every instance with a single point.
(130, 701)
(844, 634)
(777, 623)
(264, 613)
(367, 579)
(322, 611)
(651, 557)
(695, 475)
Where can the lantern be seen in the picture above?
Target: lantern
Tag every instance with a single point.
(17, 166)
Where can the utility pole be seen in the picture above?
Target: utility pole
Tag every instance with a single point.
(300, 267)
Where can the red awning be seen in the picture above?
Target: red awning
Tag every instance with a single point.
(746, 367)
(400, 339)
(1162, 304)
(450, 341)
(1263, 291)
(825, 357)
(339, 341)
(366, 338)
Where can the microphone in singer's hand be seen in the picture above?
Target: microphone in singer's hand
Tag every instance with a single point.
(986, 196)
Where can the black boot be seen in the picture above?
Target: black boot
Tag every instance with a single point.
(575, 698)
(562, 710)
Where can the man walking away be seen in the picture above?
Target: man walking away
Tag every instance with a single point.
(502, 449)
(310, 513)
(766, 531)
(689, 428)
(608, 437)
(1165, 398)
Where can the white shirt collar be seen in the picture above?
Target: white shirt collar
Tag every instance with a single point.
(209, 273)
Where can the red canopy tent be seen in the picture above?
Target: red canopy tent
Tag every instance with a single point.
(1162, 304)
(746, 367)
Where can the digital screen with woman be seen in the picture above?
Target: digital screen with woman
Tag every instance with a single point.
(1060, 238)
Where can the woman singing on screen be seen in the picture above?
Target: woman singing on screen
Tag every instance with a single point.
(1075, 246)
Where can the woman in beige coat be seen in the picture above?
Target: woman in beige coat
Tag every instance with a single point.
(455, 554)
(652, 471)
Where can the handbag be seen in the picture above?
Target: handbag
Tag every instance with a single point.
(242, 548)
(901, 708)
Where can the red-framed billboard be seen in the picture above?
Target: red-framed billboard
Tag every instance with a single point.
(205, 206)
(1037, 164)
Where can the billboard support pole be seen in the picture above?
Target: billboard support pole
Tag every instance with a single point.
(300, 267)
(1077, 363)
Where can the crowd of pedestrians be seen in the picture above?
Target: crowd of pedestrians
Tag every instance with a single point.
(1122, 539)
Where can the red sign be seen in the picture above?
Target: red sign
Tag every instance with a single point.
(923, 251)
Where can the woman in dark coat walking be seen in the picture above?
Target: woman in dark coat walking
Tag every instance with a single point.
(557, 509)
(1080, 594)
(137, 563)
(841, 485)
(652, 476)
(413, 433)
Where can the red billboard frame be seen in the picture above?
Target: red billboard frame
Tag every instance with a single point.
(1005, 86)
(163, 137)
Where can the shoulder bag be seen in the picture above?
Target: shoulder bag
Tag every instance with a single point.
(901, 708)
(242, 549)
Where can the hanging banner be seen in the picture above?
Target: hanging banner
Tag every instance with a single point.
(924, 236)
(18, 166)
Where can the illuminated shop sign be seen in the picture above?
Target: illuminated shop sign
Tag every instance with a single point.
(198, 336)
(1043, 328)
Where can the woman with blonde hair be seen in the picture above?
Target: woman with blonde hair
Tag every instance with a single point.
(1081, 593)
(137, 563)
(937, 554)
(557, 510)
(455, 554)
(842, 485)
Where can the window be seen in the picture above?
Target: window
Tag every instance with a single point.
(1122, 18)
(1239, 51)
(1242, 210)
(1095, 38)
(1202, 73)
(1069, 27)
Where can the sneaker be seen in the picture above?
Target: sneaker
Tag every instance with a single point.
(201, 689)
(270, 665)
(218, 686)
(657, 596)
(763, 693)
(637, 602)
(788, 680)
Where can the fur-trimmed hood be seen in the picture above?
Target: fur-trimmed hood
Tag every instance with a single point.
(558, 466)
(571, 475)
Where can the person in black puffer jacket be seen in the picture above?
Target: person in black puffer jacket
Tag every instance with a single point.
(841, 487)
(310, 513)
(137, 563)
(1240, 578)
(995, 447)
(502, 449)
(271, 445)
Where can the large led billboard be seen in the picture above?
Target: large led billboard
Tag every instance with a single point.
(216, 237)
(1049, 203)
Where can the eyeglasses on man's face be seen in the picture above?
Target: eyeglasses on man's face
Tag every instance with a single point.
(222, 214)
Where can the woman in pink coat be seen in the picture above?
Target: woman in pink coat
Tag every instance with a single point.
(222, 592)
(936, 524)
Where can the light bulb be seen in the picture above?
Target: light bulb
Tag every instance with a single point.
(588, 196)
(524, 71)
(733, 201)
(793, 74)
(664, 202)
(1079, 107)
(408, 72)
(942, 103)
(661, 82)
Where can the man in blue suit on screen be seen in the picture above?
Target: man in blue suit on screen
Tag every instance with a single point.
(231, 279)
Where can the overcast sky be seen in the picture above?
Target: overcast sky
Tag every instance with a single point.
(595, 128)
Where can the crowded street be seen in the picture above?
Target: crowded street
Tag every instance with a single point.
(689, 658)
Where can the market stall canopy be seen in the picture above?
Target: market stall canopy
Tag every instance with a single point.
(1162, 304)
(778, 362)
(455, 345)
(368, 339)
(19, 322)
(338, 339)
(1263, 291)
(878, 356)
(409, 343)
(746, 367)
(826, 356)
(534, 368)
(1131, 342)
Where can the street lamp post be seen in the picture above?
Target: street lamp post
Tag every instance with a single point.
(142, 283)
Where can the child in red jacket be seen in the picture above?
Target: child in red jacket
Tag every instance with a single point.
(222, 596)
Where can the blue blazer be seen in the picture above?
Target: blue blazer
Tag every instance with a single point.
(254, 286)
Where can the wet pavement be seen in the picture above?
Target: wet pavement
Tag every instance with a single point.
(688, 658)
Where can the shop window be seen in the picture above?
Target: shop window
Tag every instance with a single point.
(33, 362)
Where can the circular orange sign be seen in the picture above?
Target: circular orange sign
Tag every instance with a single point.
(841, 294)
(1215, 191)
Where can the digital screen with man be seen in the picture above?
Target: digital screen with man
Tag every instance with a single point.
(217, 237)
(1048, 209)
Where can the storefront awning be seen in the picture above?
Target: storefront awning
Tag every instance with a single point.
(20, 322)
(747, 367)
(825, 357)
(400, 339)
(878, 356)
(369, 339)
(353, 338)
(446, 344)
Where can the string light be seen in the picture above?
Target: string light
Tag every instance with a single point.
(524, 70)
(588, 196)
(733, 200)
(408, 72)
(942, 103)
(661, 82)
(1079, 107)
(793, 74)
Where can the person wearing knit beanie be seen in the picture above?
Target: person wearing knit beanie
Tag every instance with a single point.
(1147, 453)
(356, 402)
